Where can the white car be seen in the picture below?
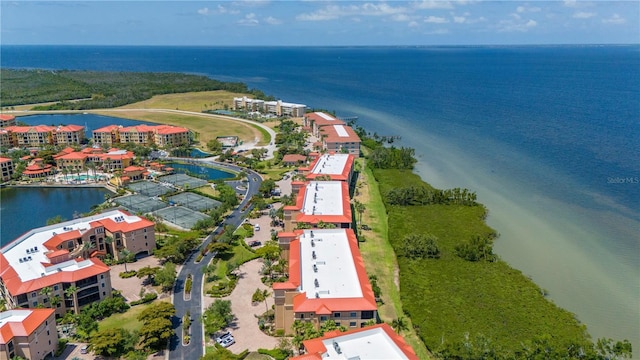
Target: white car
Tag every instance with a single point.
(226, 339)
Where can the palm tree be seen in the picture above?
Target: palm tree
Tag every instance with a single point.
(124, 255)
(360, 208)
(55, 301)
(72, 292)
(46, 291)
(87, 246)
(399, 324)
(110, 245)
(92, 166)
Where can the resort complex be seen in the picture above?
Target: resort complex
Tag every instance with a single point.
(67, 256)
(277, 108)
(318, 202)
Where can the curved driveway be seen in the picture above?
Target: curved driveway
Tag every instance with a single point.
(195, 349)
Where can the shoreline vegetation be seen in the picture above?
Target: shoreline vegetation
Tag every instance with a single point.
(430, 252)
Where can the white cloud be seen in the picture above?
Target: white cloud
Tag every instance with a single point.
(401, 17)
(436, 20)
(526, 9)
(615, 19)
(249, 20)
(577, 4)
(433, 4)
(438, 32)
(413, 24)
(583, 15)
(272, 21)
(203, 11)
(516, 25)
(459, 19)
(331, 12)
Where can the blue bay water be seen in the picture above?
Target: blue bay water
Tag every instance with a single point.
(547, 136)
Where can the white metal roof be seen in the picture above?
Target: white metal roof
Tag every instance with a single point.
(323, 198)
(333, 267)
(17, 316)
(325, 116)
(331, 164)
(368, 344)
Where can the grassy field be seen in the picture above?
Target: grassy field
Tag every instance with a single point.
(380, 258)
(450, 297)
(191, 101)
(128, 320)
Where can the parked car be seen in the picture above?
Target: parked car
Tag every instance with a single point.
(226, 339)
(255, 243)
(256, 227)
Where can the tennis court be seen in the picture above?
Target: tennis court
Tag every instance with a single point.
(180, 216)
(139, 203)
(150, 188)
(194, 201)
(180, 180)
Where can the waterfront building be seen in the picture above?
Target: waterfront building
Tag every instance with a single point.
(6, 169)
(37, 169)
(31, 136)
(372, 342)
(340, 138)
(319, 202)
(327, 281)
(316, 120)
(337, 167)
(7, 120)
(278, 107)
(28, 333)
(6, 138)
(107, 135)
(114, 159)
(69, 135)
(67, 256)
(164, 136)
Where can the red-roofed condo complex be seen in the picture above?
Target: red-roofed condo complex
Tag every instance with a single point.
(7, 120)
(371, 342)
(320, 201)
(67, 255)
(340, 138)
(316, 120)
(28, 333)
(327, 281)
(160, 135)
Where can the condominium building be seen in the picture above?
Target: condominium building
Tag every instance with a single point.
(340, 138)
(278, 107)
(319, 202)
(327, 281)
(163, 136)
(371, 342)
(67, 255)
(317, 120)
(107, 135)
(7, 120)
(337, 167)
(114, 159)
(6, 169)
(69, 135)
(28, 333)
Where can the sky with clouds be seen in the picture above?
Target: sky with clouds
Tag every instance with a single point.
(318, 23)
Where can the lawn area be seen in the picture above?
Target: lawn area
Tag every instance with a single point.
(191, 101)
(275, 173)
(450, 297)
(127, 320)
(240, 255)
(379, 257)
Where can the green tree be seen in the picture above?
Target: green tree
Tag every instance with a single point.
(71, 293)
(217, 316)
(261, 296)
(421, 246)
(399, 324)
(156, 325)
(46, 292)
(55, 220)
(126, 256)
(112, 342)
(166, 276)
(149, 272)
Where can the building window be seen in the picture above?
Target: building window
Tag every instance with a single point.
(366, 315)
(352, 324)
(353, 314)
(336, 315)
(33, 294)
(35, 304)
(323, 318)
(301, 316)
(55, 287)
(102, 276)
(102, 284)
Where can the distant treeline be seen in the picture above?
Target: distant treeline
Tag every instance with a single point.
(98, 89)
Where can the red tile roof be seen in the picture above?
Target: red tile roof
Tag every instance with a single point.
(6, 117)
(107, 129)
(330, 134)
(293, 158)
(26, 327)
(167, 129)
(320, 121)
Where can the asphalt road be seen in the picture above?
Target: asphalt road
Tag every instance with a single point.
(195, 349)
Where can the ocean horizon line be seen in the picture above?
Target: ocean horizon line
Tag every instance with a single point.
(405, 46)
